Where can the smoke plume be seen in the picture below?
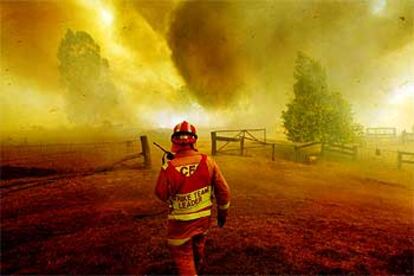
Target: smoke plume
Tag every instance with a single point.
(211, 62)
(204, 41)
(244, 52)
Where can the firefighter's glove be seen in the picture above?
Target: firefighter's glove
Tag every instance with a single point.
(221, 217)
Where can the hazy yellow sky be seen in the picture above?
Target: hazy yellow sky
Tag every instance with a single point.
(211, 62)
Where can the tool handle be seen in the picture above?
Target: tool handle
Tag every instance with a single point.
(168, 154)
(160, 147)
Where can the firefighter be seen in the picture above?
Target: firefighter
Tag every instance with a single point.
(188, 183)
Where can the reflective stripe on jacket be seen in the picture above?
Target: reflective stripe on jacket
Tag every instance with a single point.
(188, 183)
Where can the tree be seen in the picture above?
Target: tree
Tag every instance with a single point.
(316, 113)
(85, 74)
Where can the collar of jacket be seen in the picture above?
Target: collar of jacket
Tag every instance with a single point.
(186, 152)
(182, 148)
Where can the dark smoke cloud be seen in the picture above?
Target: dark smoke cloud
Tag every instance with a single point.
(234, 56)
(204, 41)
(227, 50)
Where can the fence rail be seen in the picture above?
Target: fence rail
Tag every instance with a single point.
(242, 135)
(76, 156)
(381, 132)
(407, 137)
(306, 152)
(401, 159)
(351, 151)
(298, 148)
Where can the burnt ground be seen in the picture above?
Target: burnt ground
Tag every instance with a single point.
(13, 172)
(285, 218)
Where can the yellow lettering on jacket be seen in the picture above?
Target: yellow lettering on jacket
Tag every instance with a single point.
(191, 202)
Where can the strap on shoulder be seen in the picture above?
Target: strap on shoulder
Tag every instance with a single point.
(165, 165)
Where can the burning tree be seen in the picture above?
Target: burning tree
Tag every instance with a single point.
(91, 93)
(316, 113)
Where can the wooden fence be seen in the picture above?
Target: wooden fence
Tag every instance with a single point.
(407, 137)
(381, 132)
(351, 151)
(145, 153)
(401, 159)
(240, 136)
(304, 152)
(76, 156)
(300, 147)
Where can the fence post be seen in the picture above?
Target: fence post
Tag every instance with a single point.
(296, 153)
(213, 143)
(264, 135)
(145, 151)
(242, 142)
(273, 152)
(355, 149)
(399, 159)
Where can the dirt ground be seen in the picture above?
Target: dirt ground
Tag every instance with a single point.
(285, 218)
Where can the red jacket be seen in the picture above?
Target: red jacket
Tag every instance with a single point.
(188, 184)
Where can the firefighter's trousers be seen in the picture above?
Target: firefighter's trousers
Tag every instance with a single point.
(189, 257)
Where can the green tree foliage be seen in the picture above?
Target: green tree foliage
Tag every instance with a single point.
(315, 113)
(90, 91)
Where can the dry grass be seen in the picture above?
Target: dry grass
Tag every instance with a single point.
(285, 218)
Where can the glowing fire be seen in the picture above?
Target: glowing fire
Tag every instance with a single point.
(378, 6)
(403, 93)
(195, 115)
(106, 17)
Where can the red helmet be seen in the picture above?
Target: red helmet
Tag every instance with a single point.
(184, 133)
